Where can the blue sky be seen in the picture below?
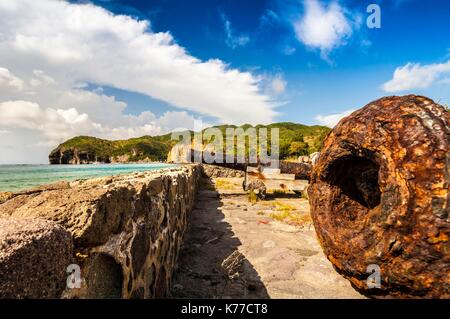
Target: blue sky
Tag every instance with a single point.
(412, 31)
(118, 69)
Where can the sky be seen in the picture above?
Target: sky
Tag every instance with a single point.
(117, 69)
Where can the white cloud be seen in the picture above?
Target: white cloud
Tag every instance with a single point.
(50, 50)
(445, 81)
(9, 82)
(269, 17)
(323, 27)
(233, 40)
(49, 127)
(277, 84)
(54, 113)
(41, 78)
(84, 43)
(416, 76)
(102, 109)
(332, 119)
(288, 50)
(55, 124)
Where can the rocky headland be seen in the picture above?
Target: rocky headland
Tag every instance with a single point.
(295, 139)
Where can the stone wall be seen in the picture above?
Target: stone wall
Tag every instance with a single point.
(34, 254)
(123, 232)
(212, 171)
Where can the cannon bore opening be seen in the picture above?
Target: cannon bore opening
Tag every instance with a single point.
(357, 178)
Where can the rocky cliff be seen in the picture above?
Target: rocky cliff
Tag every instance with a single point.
(62, 155)
(123, 233)
(87, 150)
(295, 139)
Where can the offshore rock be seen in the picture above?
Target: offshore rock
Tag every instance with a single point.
(379, 195)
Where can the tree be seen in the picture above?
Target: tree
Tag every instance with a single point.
(298, 148)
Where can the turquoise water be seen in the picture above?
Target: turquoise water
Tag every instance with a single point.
(19, 177)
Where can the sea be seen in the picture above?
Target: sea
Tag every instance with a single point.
(19, 177)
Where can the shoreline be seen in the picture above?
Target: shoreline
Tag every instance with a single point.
(27, 178)
(81, 164)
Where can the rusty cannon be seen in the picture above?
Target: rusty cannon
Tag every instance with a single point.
(379, 198)
(299, 170)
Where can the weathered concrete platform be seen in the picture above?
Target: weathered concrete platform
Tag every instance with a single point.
(236, 249)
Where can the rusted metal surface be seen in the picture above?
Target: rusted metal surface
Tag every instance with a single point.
(379, 195)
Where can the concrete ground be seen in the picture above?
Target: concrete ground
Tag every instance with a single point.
(237, 249)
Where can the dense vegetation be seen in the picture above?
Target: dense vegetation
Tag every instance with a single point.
(295, 140)
(137, 149)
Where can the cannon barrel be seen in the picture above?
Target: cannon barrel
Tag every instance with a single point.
(300, 170)
(379, 197)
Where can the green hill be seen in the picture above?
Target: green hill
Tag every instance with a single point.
(295, 140)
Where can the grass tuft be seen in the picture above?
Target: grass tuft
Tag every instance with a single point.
(252, 197)
(223, 184)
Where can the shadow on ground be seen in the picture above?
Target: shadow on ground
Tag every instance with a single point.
(210, 264)
(282, 195)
